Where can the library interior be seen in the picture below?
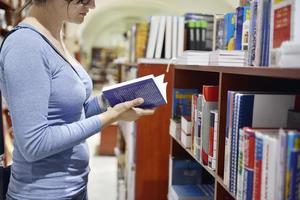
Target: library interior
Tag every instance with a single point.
(220, 115)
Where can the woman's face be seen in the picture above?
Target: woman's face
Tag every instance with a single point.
(76, 10)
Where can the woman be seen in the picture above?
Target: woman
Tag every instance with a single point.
(48, 96)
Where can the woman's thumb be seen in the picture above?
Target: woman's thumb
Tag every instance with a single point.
(136, 102)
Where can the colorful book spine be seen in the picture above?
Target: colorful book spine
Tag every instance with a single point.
(229, 28)
(229, 122)
(249, 153)
(252, 32)
(242, 15)
(182, 100)
(213, 139)
(209, 103)
(194, 119)
(198, 124)
(293, 145)
(258, 166)
(240, 172)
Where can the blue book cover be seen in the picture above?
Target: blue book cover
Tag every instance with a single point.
(252, 32)
(189, 192)
(186, 172)
(292, 169)
(265, 33)
(241, 16)
(242, 118)
(295, 174)
(151, 89)
(182, 102)
(248, 183)
(229, 28)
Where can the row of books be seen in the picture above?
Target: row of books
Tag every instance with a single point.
(268, 164)
(195, 121)
(254, 109)
(188, 180)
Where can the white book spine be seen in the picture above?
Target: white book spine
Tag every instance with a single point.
(154, 23)
(174, 36)
(168, 38)
(180, 38)
(160, 37)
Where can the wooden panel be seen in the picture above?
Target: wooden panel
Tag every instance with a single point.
(221, 193)
(255, 71)
(194, 79)
(153, 144)
(108, 140)
(246, 83)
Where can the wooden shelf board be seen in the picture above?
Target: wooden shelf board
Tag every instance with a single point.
(211, 172)
(220, 181)
(276, 72)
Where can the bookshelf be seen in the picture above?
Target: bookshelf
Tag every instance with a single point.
(229, 78)
(153, 143)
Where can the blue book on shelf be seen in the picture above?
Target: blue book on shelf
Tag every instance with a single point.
(229, 28)
(295, 174)
(151, 89)
(292, 167)
(241, 16)
(186, 172)
(182, 102)
(189, 192)
(259, 110)
(252, 32)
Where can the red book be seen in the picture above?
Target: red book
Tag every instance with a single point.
(209, 103)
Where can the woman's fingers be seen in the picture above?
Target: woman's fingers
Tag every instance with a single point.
(141, 112)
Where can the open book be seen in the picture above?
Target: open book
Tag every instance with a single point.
(152, 89)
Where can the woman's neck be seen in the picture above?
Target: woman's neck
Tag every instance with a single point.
(47, 21)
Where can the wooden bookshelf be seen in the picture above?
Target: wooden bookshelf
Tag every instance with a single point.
(230, 78)
(153, 143)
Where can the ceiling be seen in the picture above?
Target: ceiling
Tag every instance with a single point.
(106, 23)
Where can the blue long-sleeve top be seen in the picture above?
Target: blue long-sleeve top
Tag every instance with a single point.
(52, 114)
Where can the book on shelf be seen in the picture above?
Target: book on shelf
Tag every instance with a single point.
(174, 36)
(151, 89)
(268, 162)
(175, 129)
(182, 100)
(192, 57)
(168, 38)
(153, 34)
(252, 32)
(229, 29)
(197, 126)
(209, 102)
(242, 17)
(256, 110)
(218, 41)
(234, 58)
(186, 131)
(160, 37)
(191, 192)
(284, 25)
(213, 134)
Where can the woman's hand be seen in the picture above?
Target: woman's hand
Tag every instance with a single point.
(124, 111)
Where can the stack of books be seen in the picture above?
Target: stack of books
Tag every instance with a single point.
(288, 55)
(228, 58)
(191, 57)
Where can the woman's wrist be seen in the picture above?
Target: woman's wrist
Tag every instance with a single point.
(108, 117)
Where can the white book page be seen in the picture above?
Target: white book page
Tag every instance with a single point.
(128, 82)
(159, 81)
